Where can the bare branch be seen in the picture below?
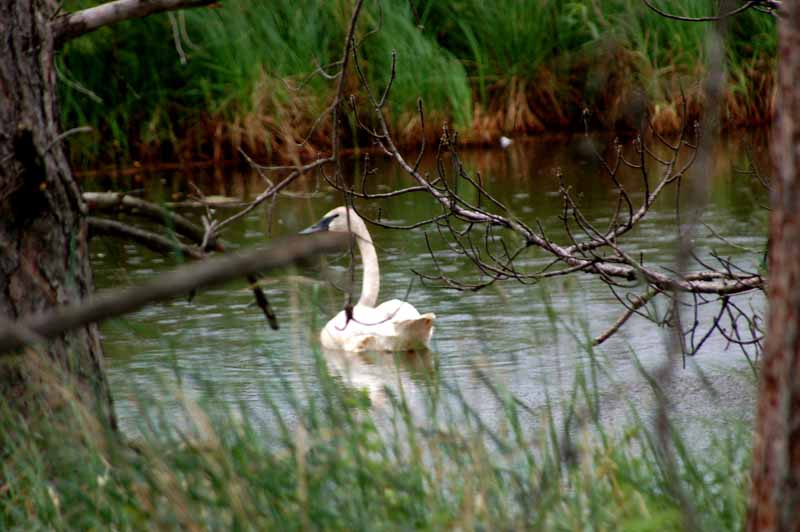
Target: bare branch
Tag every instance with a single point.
(348, 44)
(169, 285)
(474, 225)
(148, 239)
(274, 189)
(81, 22)
(118, 202)
(638, 303)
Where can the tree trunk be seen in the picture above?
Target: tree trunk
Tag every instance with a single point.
(775, 496)
(44, 255)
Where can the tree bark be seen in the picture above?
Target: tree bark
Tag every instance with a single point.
(44, 255)
(775, 496)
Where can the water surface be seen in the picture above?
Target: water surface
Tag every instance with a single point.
(529, 339)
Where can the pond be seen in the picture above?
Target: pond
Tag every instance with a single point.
(529, 340)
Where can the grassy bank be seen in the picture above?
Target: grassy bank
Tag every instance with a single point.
(492, 68)
(333, 462)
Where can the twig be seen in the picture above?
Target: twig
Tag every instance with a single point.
(116, 202)
(740, 9)
(166, 286)
(638, 303)
(100, 226)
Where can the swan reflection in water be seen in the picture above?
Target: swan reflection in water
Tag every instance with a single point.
(379, 374)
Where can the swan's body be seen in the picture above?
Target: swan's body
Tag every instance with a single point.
(391, 326)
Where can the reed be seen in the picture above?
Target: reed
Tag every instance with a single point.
(487, 67)
(320, 454)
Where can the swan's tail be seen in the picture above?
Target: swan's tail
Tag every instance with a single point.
(416, 332)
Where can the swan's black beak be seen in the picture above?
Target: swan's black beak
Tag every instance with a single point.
(316, 228)
(321, 225)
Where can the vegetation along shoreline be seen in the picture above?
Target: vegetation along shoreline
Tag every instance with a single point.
(253, 76)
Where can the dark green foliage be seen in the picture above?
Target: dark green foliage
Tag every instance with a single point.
(248, 79)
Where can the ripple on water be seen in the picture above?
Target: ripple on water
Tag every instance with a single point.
(530, 339)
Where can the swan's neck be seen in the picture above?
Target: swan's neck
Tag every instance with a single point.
(371, 284)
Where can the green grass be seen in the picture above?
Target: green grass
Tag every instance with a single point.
(499, 41)
(248, 82)
(330, 460)
(236, 59)
(423, 68)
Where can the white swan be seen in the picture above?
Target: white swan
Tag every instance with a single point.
(391, 326)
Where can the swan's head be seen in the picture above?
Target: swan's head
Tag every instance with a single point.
(336, 220)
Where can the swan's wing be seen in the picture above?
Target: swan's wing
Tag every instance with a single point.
(416, 332)
(367, 330)
(392, 326)
(396, 310)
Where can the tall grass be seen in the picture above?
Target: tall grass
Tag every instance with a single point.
(489, 67)
(498, 41)
(237, 59)
(332, 460)
(424, 69)
(564, 56)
